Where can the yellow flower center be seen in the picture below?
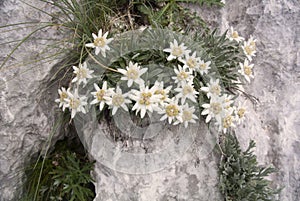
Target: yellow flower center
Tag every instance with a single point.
(82, 73)
(187, 90)
(241, 112)
(216, 108)
(63, 95)
(182, 75)
(187, 115)
(247, 70)
(172, 110)
(74, 103)
(132, 74)
(249, 50)
(235, 35)
(191, 62)
(227, 121)
(145, 98)
(216, 89)
(177, 51)
(162, 93)
(100, 42)
(117, 100)
(100, 94)
(203, 66)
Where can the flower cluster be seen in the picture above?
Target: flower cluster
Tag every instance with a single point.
(176, 102)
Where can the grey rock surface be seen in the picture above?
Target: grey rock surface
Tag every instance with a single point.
(26, 114)
(26, 107)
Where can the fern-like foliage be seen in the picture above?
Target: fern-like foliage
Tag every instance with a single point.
(241, 178)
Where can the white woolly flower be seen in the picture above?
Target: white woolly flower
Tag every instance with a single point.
(186, 91)
(234, 35)
(223, 1)
(246, 70)
(187, 115)
(118, 100)
(163, 92)
(214, 109)
(76, 103)
(213, 88)
(82, 73)
(172, 111)
(249, 48)
(183, 75)
(100, 43)
(62, 100)
(204, 67)
(145, 100)
(192, 62)
(240, 112)
(227, 120)
(176, 51)
(101, 95)
(133, 74)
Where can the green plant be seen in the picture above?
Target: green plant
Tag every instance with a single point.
(241, 178)
(62, 175)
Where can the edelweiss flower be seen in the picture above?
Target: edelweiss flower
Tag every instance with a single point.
(62, 100)
(82, 73)
(100, 43)
(223, 1)
(117, 100)
(186, 91)
(215, 109)
(101, 95)
(133, 74)
(228, 120)
(212, 89)
(176, 51)
(172, 111)
(183, 75)
(192, 62)
(145, 100)
(163, 92)
(249, 48)
(240, 112)
(234, 35)
(246, 70)
(187, 115)
(76, 103)
(204, 67)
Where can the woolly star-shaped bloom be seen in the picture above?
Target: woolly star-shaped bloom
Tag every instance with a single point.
(117, 100)
(82, 73)
(76, 103)
(172, 111)
(133, 74)
(227, 120)
(183, 75)
(100, 43)
(204, 67)
(192, 62)
(145, 100)
(246, 70)
(187, 115)
(101, 95)
(215, 109)
(249, 48)
(176, 51)
(163, 92)
(213, 88)
(240, 112)
(186, 91)
(62, 100)
(234, 35)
